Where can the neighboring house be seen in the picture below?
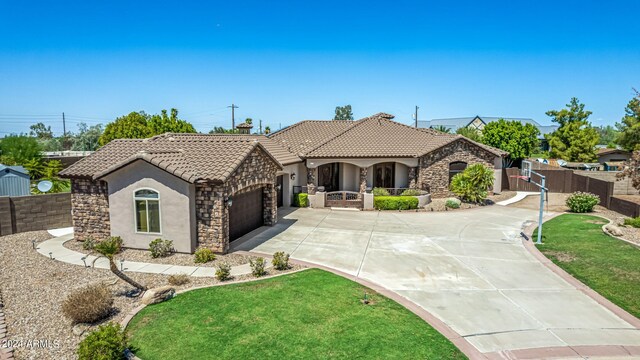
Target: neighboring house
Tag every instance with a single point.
(613, 159)
(479, 122)
(208, 190)
(14, 181)
(66, 157)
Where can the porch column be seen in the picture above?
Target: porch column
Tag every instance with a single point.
(311, 180)
(363, 179)
(413, 181)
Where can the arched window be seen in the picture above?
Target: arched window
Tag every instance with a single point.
(147, 206)
(455, 168)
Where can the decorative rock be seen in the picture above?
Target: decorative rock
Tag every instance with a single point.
(158, 295)
(613, 230)
(79, 329)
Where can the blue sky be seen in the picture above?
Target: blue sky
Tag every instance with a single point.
(287, 61)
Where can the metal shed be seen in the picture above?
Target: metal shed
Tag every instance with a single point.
(14, 181)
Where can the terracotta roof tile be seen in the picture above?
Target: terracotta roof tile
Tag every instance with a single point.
(307, 134)
(191, 157)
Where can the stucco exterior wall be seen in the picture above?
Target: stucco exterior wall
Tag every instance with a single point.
(300, 180)
(349, 177)
(613, 157)
(401, 176)
(177, 206)
(433, 172)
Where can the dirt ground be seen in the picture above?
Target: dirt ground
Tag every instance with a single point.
(555, 203)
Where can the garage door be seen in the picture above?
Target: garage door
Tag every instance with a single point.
(245, 213)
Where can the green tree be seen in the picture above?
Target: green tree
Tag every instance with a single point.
(109, 248)
(608, 135)
(267, 130)
(632, 170)
(249, 121)
(518, 139)
(221, 130)
(442, 129)
(35, 168)
(163, 123)
(88, 137)
(131, 126)
(470, 133)
(18, 149)
(343, 113)
(629, 128)
(473, 183)
(41, 131)
(575, 139)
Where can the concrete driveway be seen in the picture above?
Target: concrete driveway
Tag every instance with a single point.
(468, 268)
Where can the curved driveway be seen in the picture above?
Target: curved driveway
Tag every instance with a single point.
(468, 268)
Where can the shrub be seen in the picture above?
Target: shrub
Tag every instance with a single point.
(160, 248)
(223, 272)
(582, 202)
(89, 243)
(108, 342)
(301, 200)
(411, 192)
(112, 246)
(473, 183)
(380, 192)
(257, 267)
(178, 279)
(452, 203)
(203, 255)
(395, 202)
(280, 260)
(635, 222)
(88, 304)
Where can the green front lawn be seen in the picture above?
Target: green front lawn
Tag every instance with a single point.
(609, 266)
(311, 314)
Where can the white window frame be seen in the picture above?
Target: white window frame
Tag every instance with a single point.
(135, 211)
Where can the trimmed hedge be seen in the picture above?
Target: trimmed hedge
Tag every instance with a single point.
(301, 200)
(395, 202)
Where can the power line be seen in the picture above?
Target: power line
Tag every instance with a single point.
(233, 116)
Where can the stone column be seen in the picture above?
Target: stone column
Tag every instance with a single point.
(363, 179)
(270, 200)
(212, 217)
(311, 180)
(413, 181)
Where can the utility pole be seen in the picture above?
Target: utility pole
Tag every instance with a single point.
(260, 126)
(64, 127)
(233, 115)
(416, 115)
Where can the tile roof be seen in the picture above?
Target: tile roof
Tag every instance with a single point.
(374, 136)
(604, 151)
(191, 157)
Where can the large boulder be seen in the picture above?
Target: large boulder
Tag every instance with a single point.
(158, 295)
(613, 230)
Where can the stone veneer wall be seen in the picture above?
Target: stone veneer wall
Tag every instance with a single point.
(433, 172)
(212, 218)
(90, 209)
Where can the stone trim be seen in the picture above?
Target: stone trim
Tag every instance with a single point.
(363, 179)
(312, 174)
(90, 209)
(412, 177)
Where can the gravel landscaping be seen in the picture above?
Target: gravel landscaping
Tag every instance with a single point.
(439, 204)
(173, 259)
(33, 288)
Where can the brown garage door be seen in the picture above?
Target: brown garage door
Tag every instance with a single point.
(245, 213)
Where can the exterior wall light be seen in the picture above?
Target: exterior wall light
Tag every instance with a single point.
(278, 187)
(293, 176)
(228, 201)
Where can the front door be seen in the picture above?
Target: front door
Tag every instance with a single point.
(328, 176)
(384, 175)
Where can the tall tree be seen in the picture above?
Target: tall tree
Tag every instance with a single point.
(470, 133)
(343, 113)
(160, 124)
(19, 149)
(41, 131)
(608, 135)
(140, 125)
(221, 130)
(575, 139)
(88, 137)
(629, 128)
(519, 140)
(249, 121)
(632, 170)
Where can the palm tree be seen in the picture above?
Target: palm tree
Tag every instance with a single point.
(109, 248)
(442, 129)
(267, 130)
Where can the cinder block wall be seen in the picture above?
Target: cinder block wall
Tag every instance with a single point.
(35, 212)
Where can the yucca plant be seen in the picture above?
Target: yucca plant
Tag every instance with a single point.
(109, 248)
(473, 183)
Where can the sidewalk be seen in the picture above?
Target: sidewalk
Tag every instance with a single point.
(54, 248)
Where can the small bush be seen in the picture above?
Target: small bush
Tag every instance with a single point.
(110, 246)
(380, 192)
(89, 304)
(452, 203)
(635, 222)
(160, 248)
(178, 279)
(582, 202)
(108, 342)
(258, 267)
(473, 183)
(89, 243)
(411, 192)
(395, 202)
(203, 255)
(223, 272)
(280, 260)
(301, 200)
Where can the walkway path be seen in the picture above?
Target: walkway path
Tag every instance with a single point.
(56, 250)
(468, 268)
(519, 196)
